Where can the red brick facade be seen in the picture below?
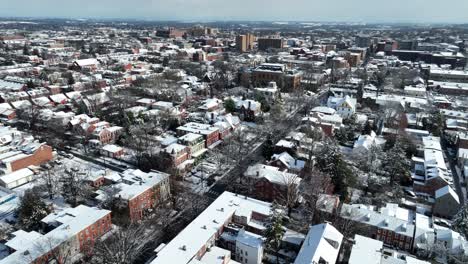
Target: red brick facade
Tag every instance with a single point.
(42, 155)
(141, 203)
(87, 236)
(212, 138)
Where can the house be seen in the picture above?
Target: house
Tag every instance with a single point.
(73, 230)
(195, 142)
(17, 178)
(178, 153)
(86, 64)
(270, 183)
(431, 172)
(31, 154)
(225, 216)
(270, 93)
(111, 151)
(344, 106)
(321, 245)
(364, 143)
(141, 191)
(447, 202)
(209, 132)
(391, 224)
(284, 161)
(366, 250)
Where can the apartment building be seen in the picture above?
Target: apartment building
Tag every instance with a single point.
(72, 231)
(245, 43)
(141, 191)
(229, 210)
(270, 43)
(209, 132)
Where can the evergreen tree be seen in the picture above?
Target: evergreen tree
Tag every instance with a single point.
(230, 105)
(30, 84)
(460, 221)
(396, 165)
(367, 128)
(26, 50)
(331, 162)
(31, 210)
(268, 148)
(274, 232)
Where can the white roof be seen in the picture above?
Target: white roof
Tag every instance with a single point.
(87, 62)
(112, 148)
(447, 190)
(365, 251)
(322, 242)
(77, 219)
(16, 175)
(189, 241)
(289, 161)
(272, 174)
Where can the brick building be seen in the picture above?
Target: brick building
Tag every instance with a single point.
(209, 132)
(270, 43)
(271, 72)
(69, 232)
(32, 154)
(141, 191)
(269, 182)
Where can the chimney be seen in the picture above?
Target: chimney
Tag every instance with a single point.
(295, 162)
(212, 115)
(258, 174)
(250, 103)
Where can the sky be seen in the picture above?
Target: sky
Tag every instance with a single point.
(425, 11)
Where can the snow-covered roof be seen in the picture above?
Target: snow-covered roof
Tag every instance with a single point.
(195, 236)
(447, 190)
(322, 242)
(135, 182)
(73, 221)
(16, 175)
(272, 174)
(112, 148)
(289, 161)
(87, 62)
(365, 251)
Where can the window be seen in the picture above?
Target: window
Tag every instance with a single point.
(246, 253)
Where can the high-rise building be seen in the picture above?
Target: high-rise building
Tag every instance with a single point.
(270, 43)
(244, 43)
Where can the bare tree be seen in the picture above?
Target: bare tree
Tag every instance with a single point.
(51, 182)
(29, 116)
(314, 184)
(290, 195)
(58, 251)
(124, 245)
(74, 188)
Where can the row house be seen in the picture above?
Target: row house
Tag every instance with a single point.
(269, 182)
(201, 236)
(392, 229)
(70, 232)
(209, 132)
(195, 143)
(31, 154)
(430, 173)
(178, 153)
(141, 191)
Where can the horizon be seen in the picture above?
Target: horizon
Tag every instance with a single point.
(358, 11)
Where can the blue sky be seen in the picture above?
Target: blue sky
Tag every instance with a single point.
(452, 11)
